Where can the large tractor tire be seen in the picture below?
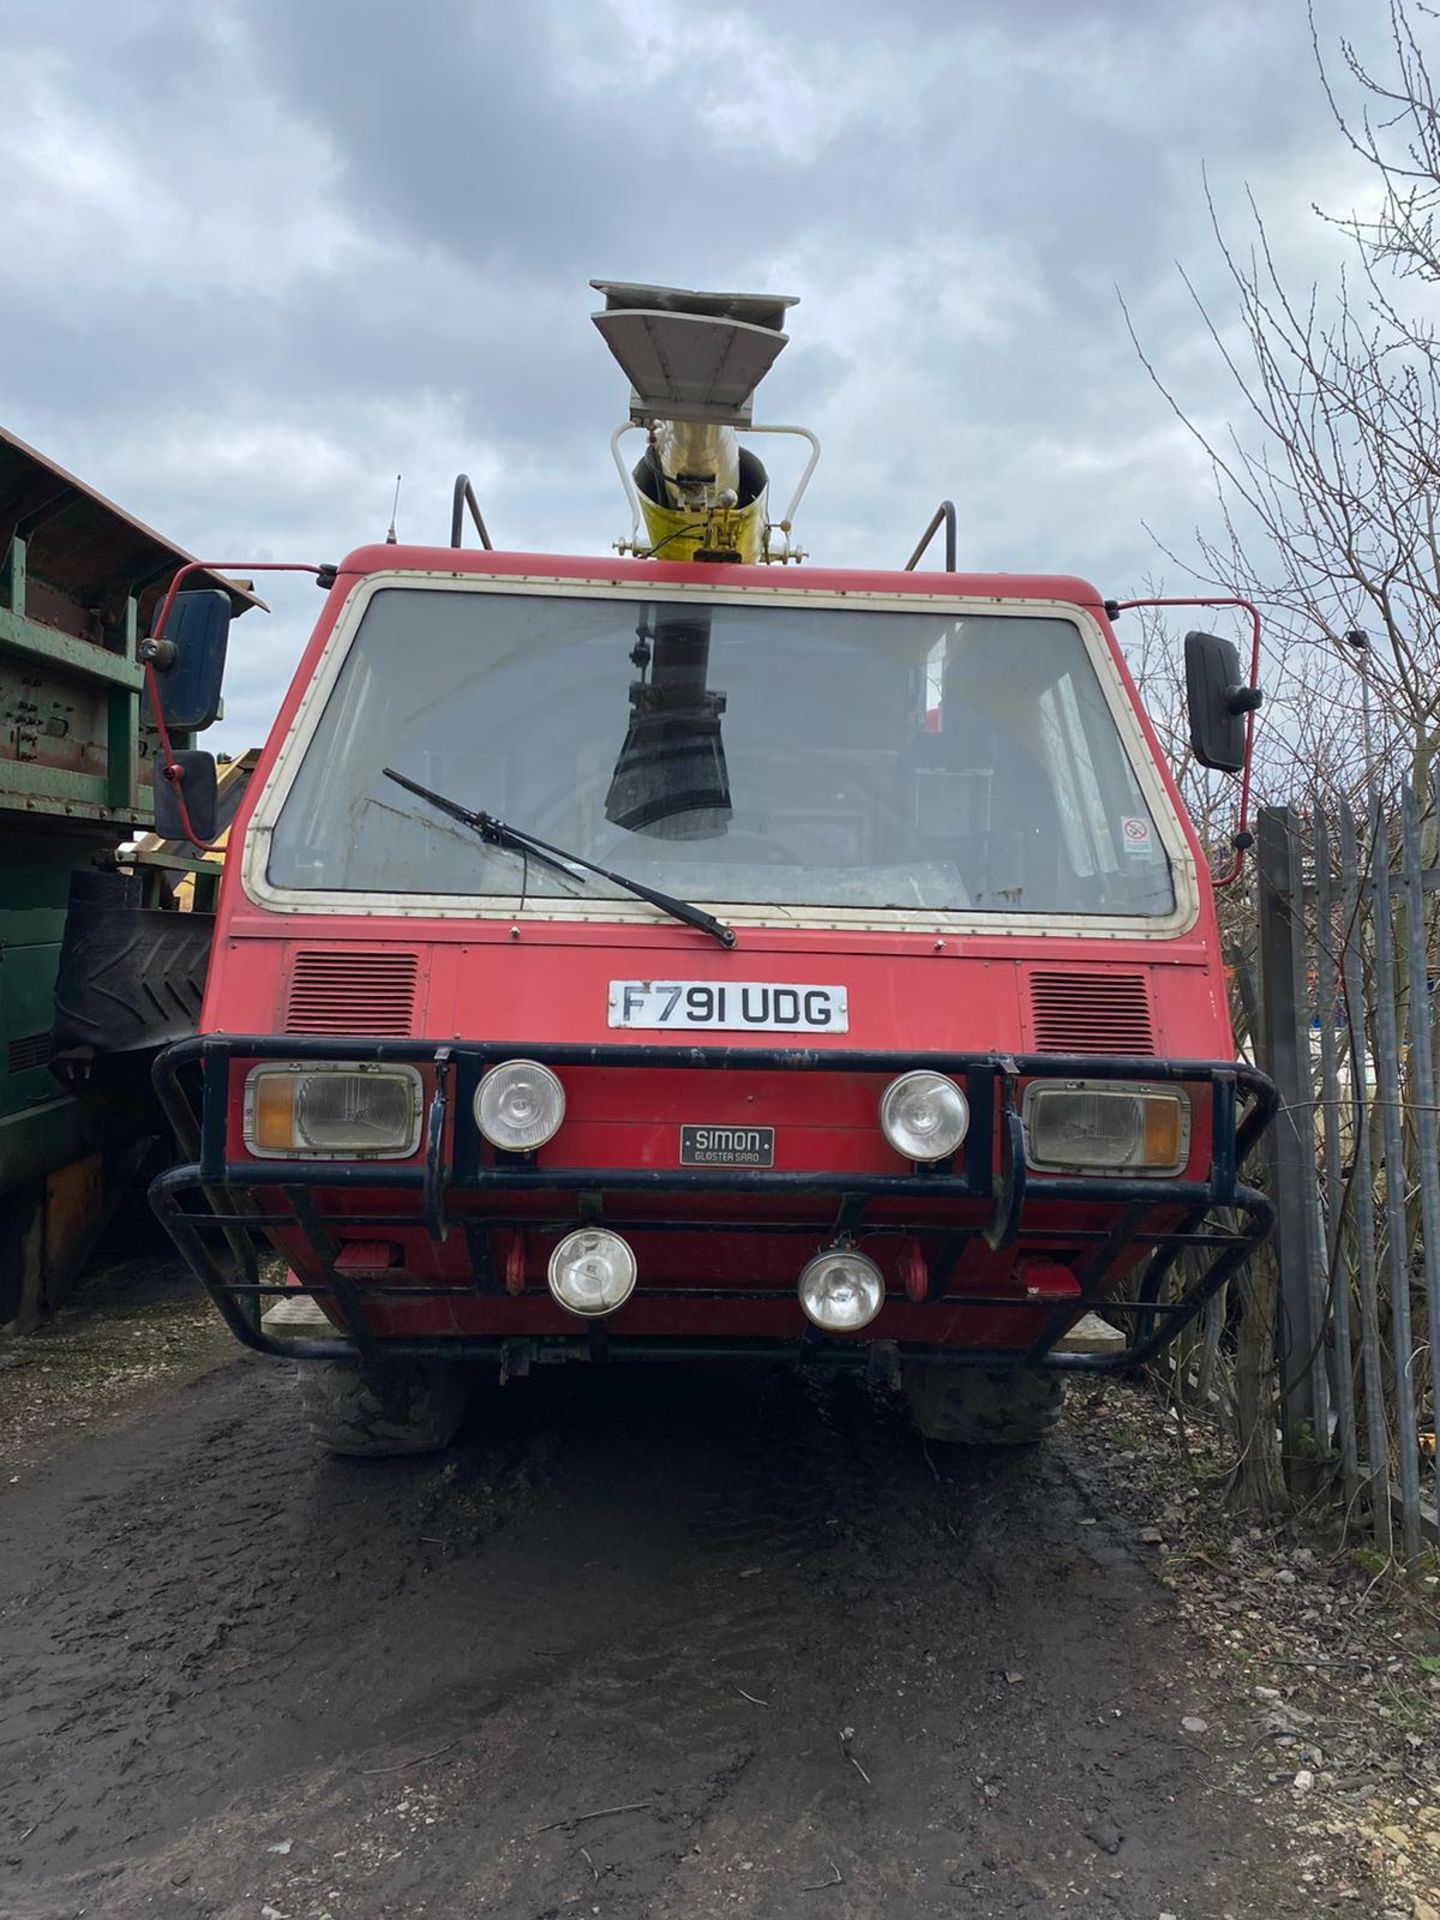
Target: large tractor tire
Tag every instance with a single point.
(402, 1406)
(968, 1407)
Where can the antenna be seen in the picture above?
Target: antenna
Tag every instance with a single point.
(394, 509)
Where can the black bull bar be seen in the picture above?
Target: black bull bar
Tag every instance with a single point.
(1220, 1219)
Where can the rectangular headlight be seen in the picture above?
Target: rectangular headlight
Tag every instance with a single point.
(333, 1111)
(1105, 1126)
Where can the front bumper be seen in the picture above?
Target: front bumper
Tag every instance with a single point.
(1217, 1219)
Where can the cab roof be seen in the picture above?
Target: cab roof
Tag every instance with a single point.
(471, 563)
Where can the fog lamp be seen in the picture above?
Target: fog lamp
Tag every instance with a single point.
(519, 1106)
(924, 1116)
(333, 1110)
(592, 1272)
(841, 1290)
(1106, 1127)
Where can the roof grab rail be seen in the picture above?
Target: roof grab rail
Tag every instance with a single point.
(946, 512)
(465, 497)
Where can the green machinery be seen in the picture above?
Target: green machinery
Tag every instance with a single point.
(79, 582)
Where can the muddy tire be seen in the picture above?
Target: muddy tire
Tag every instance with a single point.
(404, 1406)
(967, 1407)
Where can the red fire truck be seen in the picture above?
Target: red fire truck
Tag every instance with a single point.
(696, 953)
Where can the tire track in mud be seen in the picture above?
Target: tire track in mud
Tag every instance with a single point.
(418, 1672)
(831, 1502)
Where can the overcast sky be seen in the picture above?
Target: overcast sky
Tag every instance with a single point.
(261, 256)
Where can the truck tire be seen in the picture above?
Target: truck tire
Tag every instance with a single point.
(968, 1407)
(401, 1406)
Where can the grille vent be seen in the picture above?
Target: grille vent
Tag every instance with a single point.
(31, 1050)
(1091, 1013)
(340, 991)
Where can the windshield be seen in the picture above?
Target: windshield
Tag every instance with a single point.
(800, 757)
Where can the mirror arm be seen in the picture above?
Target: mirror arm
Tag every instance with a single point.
(222, 568)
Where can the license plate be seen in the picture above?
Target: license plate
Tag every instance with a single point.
(727, 1146)
(745, 1006)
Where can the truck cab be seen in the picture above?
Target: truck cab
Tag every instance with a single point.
(681, 956)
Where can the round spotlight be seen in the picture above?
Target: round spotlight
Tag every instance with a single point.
(924, 1115)
(841, 1290)
(592, 1272)
(519, 1106)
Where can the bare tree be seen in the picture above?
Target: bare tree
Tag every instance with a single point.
(1398, 136)
(1327, 475)
(1327, 483)
(1309, 736)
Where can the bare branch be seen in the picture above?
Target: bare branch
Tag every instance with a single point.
(1327, 473)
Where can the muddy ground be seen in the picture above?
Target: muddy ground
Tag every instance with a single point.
(808, 1665)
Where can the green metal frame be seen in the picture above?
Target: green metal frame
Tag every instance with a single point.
(116, 792)
(78, 580)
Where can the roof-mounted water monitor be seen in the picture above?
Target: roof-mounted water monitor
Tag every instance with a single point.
(691, 356)
(694, 361)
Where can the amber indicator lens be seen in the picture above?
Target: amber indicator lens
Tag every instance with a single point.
(273, 1112)
(1164, 1131)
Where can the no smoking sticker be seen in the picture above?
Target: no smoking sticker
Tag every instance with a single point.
(1135, 835)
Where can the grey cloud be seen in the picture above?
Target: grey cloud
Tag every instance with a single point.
(262, 255)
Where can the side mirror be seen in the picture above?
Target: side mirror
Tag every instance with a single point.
(1218, 701)
(189, 659)
(197, 784)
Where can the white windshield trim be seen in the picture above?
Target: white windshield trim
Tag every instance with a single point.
(608, 911)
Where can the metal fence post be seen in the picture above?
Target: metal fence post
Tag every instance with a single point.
(1283, 1043)
(1421, 1077)
(1337, 1286)
(1367, 1283)
(1389, 1092)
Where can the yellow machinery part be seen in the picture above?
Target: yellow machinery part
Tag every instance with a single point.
(675, 532)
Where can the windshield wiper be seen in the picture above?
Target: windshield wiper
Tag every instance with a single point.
(497, 833)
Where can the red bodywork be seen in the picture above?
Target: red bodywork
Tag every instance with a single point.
(731, 1275)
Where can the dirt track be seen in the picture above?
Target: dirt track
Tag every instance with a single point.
(240, 1678)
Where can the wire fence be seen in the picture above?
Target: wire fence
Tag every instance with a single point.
(1338, 987)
